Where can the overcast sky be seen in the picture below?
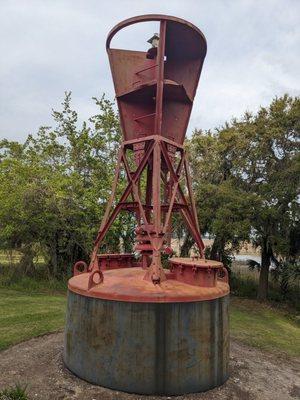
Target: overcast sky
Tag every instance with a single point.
(50, 46)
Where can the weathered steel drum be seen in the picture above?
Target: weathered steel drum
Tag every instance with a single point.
(147, 347)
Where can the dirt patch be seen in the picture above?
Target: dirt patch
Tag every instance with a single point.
(38, 364)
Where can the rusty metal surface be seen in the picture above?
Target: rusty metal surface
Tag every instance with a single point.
(127, 284)
(114, 261)
(149, 18)
(203, 263)
(155, 90)
(132, 325)
(142, 85)
(157, 224)
(148, 348)
(198, 272)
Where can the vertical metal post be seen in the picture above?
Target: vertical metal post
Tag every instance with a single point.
(157, 274)
(148, 191)
(160, 78)
(156, 188)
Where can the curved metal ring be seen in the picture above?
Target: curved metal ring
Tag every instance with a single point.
(225, 277)
(149, 18)
(77, 271)
(92, 282)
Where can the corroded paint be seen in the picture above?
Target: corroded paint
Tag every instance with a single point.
(153, 331)
(127, 284)
(155, 90)
(148, 348)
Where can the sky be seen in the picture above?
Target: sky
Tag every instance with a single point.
(48, 47)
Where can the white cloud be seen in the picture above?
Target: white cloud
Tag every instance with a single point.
(51, 46)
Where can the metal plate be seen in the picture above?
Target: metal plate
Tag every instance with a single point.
(148, 348)
(127, 284)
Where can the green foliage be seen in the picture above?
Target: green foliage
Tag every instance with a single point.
(286, 274)
(244, 282)
(246, 176)
(12, 278)
(16, 393)
(246, 179)
(243, 286)
(224, 208)
(54, 188)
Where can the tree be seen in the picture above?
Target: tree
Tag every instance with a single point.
(246, 178)
(224, 207)
(271, 172)
(54, 188)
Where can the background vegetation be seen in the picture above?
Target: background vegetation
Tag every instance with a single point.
(53, 190)
(246, 177)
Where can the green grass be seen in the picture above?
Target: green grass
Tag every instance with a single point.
(265, 327)
(26, 315)
(16, 393)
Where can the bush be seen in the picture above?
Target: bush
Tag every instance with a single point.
(243, 286)
(13, 278)
(244, 283)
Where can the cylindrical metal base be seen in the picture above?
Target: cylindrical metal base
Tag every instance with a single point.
(148, 348)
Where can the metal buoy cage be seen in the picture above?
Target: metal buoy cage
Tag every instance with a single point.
(132, 325)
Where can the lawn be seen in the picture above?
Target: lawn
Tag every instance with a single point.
(265, 327)
(24, 315)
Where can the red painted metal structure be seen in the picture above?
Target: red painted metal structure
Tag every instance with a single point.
(155, 90)
(131, 325)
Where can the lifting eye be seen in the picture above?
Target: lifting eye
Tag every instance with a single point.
(95, 278)
(79, 268)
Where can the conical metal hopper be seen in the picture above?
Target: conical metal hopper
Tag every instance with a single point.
(155, 90)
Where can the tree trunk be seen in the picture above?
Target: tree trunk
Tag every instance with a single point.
(53, 270)
(186, 246)
(26, 263)
(217, 249)
(263, 284)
